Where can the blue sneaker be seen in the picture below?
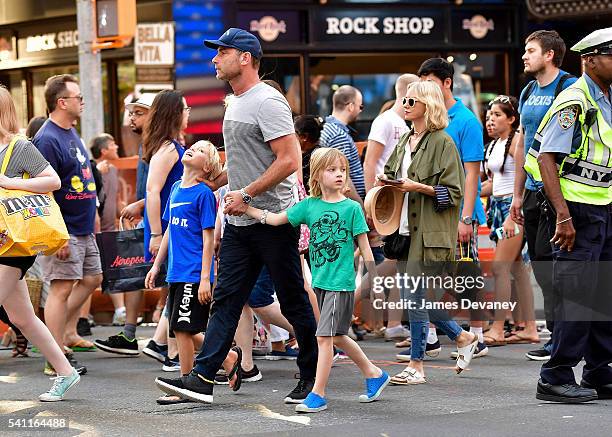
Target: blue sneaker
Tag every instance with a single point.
(431, 350)
(312, 404)
(374, 387)
(288, 354)
(61, 384)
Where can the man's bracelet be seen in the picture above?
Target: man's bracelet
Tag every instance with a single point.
(564, 220)
(155, 235)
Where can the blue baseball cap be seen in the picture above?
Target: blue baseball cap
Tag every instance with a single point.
(238, 39)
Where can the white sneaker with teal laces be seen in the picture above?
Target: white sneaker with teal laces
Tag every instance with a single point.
(61, 384)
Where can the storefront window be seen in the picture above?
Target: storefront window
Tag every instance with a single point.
(374, 76)
(286, 72)
(39, 77)
(15, 83)
(479, 78)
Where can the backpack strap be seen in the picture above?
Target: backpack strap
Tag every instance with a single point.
(561, 82)
(527, 92)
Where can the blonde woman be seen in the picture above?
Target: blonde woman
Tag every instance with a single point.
(14, 296)
(427, 164)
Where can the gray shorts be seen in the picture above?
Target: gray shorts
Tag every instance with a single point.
(336, 312)
(84, 260)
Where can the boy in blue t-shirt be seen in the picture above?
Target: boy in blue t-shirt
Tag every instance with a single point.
(188, 244)
(334, 222)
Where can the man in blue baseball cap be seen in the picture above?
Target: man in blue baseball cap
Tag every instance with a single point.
(262, 157)
(238, 39)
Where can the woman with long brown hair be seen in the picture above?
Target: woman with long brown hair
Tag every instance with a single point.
(169, 116)
(14, 297)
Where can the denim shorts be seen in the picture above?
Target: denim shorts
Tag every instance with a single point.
(500, 210)
(263, 291)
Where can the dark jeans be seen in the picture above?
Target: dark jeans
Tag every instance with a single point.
(539, 229)
(583, 300)
(245, 250)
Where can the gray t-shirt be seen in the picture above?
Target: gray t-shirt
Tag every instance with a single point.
(251, 121)
(25, 159)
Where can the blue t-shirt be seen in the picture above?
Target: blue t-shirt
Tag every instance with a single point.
(76, 197)
(532, 113)
(188, 212)
(142, 171)
(175, 175)
(466, 131)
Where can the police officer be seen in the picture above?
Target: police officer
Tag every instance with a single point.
(572, 155)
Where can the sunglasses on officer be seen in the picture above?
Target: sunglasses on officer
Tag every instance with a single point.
(409, 101)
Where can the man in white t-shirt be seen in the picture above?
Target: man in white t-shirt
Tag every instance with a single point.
(386, 131)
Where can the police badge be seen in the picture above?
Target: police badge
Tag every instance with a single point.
(567, 116)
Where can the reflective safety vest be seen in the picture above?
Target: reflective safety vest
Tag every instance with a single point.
(585, 174)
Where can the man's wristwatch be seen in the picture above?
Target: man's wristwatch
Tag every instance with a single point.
(467, 220)
(246, 197)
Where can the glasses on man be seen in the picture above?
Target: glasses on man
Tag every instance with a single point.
(410, 101)
(80, 97)
(187, 109)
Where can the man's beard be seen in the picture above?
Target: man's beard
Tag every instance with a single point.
(137, 130)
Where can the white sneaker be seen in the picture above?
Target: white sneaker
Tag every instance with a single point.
(396, 333)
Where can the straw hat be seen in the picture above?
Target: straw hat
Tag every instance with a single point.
(384, 205)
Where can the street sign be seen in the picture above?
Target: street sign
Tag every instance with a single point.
(154, 45)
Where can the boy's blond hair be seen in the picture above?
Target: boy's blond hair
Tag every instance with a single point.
(320, 159)
(213, 158)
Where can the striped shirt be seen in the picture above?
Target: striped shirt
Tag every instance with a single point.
(25, 159)
(336, 134)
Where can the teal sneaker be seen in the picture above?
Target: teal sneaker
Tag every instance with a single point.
(61, 384)
(374, 387)
(312, 404)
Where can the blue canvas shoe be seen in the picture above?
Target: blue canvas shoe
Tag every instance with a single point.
(374, 387)
(312, 404)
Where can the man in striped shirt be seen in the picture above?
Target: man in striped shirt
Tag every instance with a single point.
(347, 105)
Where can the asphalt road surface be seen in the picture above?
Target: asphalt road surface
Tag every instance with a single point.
(495, 396)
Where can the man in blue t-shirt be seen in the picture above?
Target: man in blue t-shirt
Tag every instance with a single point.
(75, 270)
(466, 131)
(544, 51)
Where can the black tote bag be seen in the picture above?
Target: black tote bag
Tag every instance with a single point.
(123, 264)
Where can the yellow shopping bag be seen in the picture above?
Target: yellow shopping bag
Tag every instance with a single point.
(30, 223)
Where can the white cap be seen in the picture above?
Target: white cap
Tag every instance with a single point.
(145, 101)
(596, 43)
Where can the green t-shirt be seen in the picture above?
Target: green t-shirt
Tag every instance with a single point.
(333, 226)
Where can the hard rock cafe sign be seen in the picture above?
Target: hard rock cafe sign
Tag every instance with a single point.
(478, 26)
(268, 27)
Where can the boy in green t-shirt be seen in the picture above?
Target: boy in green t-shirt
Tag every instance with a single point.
(334, 223)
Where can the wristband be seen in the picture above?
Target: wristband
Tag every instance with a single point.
(564, 220)
(155, 235)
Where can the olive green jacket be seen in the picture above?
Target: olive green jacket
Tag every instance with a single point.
(433, 226)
